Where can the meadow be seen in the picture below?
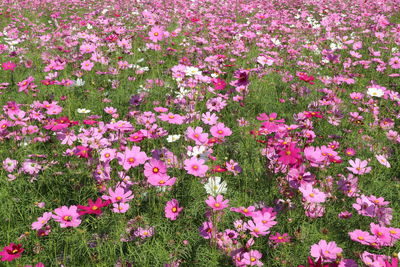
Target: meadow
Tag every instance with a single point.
(199, 133)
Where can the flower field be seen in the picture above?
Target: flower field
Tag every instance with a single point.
(200, 133)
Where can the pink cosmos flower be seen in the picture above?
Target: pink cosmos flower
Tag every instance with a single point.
(119, 195)
(67, 216)
(256, 228)
(172, 209)
(326, 251)
(131, 158)
(362, 237)
(144, 232)
(197, 135)
(206, 230)
(11, 252)
(358, 166)
(9, 165)
(107, 155)
(382, 235)
(394, 62)
(209, 118)
(382, 160)
(156, 34)
(220, 130)
(158, 180)
(195, 166)
(87, 65)
(41, 221)
(172, 118)
(311, 194)
(217, 203)
(252, 258)
(248, 212)
(120, 207)
(155, 167)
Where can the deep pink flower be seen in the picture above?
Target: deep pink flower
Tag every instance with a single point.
(9, 66)
(290, 155)
(11, 252)
(93, 207)
(172, 209)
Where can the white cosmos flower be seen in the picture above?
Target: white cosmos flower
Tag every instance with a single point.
(173, 138)
(276, 41)
(83, 110)
(215, 187)
(192, 71)
(196, 151)
(79, 82)
(375, 92)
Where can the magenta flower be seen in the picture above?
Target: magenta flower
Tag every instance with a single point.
(217, 203)
(290, 155)
(9, 66)
(195, 166)
(67, 216)
(358, 166)
(220, 130)
(325, 251)
(11, 252)
(93, 207)
(172, 209)
(131, 158)
(278, 238)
